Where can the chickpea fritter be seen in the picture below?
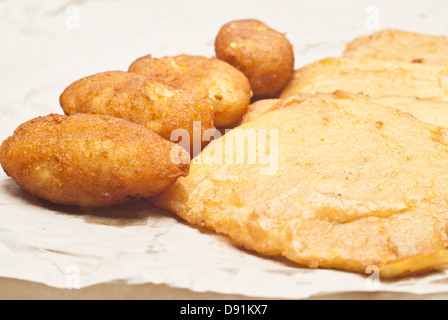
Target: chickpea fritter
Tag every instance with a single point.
(138, 99)
(209, 78)
(353, 184)
(264, 55)
(91, 160)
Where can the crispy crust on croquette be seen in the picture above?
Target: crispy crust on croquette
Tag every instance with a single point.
(89, 160)
(264, 55)
(138, 99)
(209, 78)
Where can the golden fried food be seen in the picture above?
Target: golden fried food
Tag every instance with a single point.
(221, 84)
(91, 160)
(373, 78)
(345, 184)
(264, 55)
(140, 100)
(429, 111)
(258, 108)
(400, 46)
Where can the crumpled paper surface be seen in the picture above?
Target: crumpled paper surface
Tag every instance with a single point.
(46, 45)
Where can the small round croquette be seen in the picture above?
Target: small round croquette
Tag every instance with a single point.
(264, 55)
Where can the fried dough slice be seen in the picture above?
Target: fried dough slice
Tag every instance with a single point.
(429, 111)
(373, 78)
(357, 185)
(258, 108)
(400, 46)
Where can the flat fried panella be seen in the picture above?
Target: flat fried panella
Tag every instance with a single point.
(429, 111)
(400, 46)
(357, 185)
(373, 78)
(258, 108)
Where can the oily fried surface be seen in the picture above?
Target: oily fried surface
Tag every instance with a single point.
(264, 106)
(373, 78)
(400, 46)
(209, 78)
(138, 99)
(357, 185)
(264, 55)
(429, 111)
(89, 160)
(258, 108)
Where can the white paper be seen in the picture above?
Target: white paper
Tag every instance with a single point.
(46, 45)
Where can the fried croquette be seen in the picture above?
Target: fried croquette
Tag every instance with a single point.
(91, 160)
(264, 55)
(209, 78)
(357, 185)
(140, 100)
(373, 78)
(400, 46)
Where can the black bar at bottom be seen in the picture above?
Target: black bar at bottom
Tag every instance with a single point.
(225, 309)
